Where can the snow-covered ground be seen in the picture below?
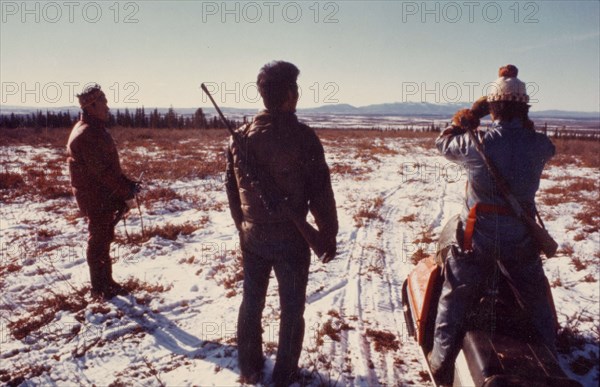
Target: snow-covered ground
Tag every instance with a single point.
(178, 325)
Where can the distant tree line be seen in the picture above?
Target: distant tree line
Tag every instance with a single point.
(139, 118)
(136, 119)
(36, 120)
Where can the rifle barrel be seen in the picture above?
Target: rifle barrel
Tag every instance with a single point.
(205, 90)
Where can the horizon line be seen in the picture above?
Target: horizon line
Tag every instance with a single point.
(133, 107)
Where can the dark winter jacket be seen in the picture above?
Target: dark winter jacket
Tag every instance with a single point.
(289, 157)
(520, 155)
(95, 170)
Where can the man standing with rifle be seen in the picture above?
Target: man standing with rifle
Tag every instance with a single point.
(276, 173)
(102, 191)
(504, 164)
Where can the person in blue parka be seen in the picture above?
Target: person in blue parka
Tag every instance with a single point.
(490, 230)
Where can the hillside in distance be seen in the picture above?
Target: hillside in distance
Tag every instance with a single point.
(388, 109)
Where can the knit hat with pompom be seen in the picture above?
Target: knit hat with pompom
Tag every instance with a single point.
(508, 87)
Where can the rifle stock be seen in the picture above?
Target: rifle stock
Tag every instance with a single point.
(547, 244)
(312, 236)
(541, 235)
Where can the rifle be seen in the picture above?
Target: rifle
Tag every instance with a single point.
(124, 208)
(273, 199)
(539, 233)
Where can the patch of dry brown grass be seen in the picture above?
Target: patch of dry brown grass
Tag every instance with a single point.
(590, 217)
(162, 194)
(570, 337)
(570, 188)
(567, 249)
(369, 150)
(173, 168)
(408, 218)
(228, 274)
(10, 180)
(578, 263)
(368, 210)
(45, 311)
(34, 137)
(44, 233)
(576, 152)
(384, 341)
(418, 255)
(582, 190)
(35, 182)
(167, 231)
(174, 154)
(345, 170)
(426, 236)
(135, 285)
(332, 328)
(7, 269)
(334, 135)
(590, 278)
(21, 376)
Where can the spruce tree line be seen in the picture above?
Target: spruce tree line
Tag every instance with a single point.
(127, 119)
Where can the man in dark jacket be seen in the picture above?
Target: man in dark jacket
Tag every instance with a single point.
(100, 187)
(288, 156)
(491, 232)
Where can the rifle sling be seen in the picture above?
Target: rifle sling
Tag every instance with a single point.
(516, 207)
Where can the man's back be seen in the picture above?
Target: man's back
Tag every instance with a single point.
(288, 156)
(277, 159)
(519, 154)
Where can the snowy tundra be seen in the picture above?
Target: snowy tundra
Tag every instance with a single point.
(178, 324)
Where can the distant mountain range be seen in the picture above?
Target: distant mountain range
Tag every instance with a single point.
(384, 109)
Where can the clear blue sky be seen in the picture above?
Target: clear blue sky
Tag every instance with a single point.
(356, 52)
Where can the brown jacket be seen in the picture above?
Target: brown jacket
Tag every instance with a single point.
(289, 157)
(95, 170)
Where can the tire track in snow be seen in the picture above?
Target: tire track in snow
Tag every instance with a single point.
(377, 269)
(357, 300)
(397, 267)
(367, 292)
(441, 203)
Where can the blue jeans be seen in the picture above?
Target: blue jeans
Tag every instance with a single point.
(290, 260)
(464, 280)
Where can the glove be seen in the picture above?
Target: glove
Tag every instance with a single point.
(481, 107)
(465, 118)
(134, 186)
(137, 187)
(330, 250)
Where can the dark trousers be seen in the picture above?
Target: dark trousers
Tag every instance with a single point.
(101, 213)
(290, 262)
(101, 233)
(464, 279)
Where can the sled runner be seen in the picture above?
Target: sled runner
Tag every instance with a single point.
(500, 346)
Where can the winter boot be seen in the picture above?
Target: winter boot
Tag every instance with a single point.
(111, 285)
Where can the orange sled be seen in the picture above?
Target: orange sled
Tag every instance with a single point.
(505, 352)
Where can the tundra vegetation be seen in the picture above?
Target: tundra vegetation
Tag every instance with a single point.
(184, 275)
